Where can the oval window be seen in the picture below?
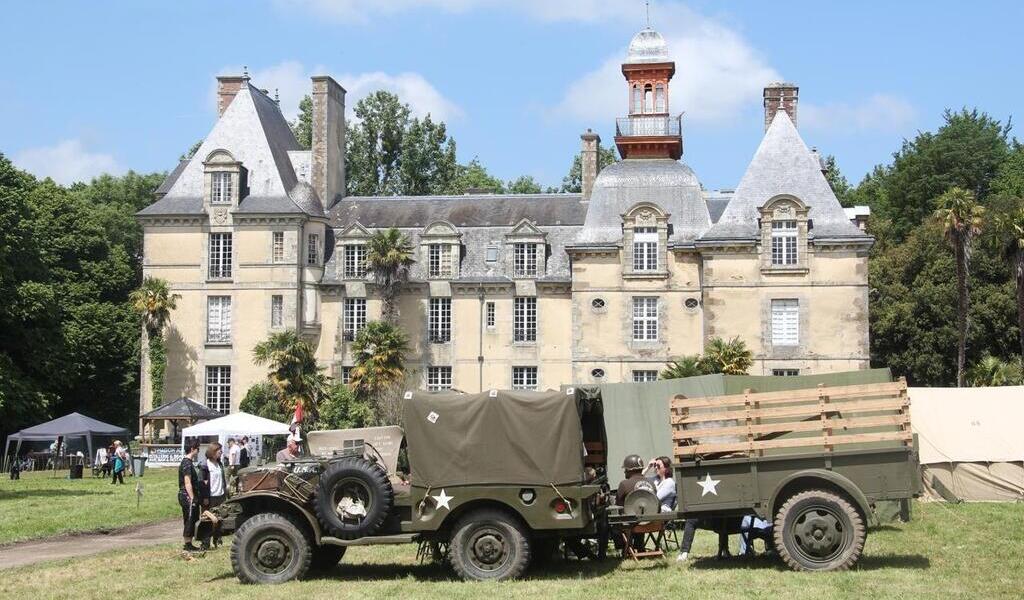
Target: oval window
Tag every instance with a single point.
(597, 303)
(691, 303)
(597, 373)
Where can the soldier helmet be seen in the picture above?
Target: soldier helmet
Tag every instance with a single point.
(633, 462)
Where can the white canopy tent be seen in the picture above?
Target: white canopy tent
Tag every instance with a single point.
(235, 425)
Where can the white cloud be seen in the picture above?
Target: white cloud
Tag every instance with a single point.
(66, 162)
(291, 80)
(878, 112)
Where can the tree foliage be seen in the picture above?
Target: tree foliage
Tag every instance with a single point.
(730, 357)
(302, 126)
(991, 371)
(837, 181)
(294, 373)
(388, 258)
(573, 180)
(379, 370)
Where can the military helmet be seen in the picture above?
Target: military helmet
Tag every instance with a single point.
(632, 462)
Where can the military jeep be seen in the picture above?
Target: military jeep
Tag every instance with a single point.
(491, 479)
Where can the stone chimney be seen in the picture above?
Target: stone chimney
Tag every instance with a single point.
(780, 96)
(227, 87)
(328, 151)
(588, 162)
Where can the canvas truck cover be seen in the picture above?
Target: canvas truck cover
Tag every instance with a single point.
(493, 438)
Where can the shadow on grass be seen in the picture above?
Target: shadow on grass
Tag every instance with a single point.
(442, 572)
(764, 562)
(14, 494)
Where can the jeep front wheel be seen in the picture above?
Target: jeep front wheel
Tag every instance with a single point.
(488, 545)
(818, 530)
(270, 548)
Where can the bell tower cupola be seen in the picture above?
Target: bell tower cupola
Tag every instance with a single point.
(649, 131)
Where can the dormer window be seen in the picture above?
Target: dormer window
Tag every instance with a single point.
(784, 238)
(220, 188)
(784, 228)
(645, 249)
(355, 261)
(439, 261)
(645, 233)
(524, 260)
(225, 178)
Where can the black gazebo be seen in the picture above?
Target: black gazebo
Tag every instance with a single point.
(183, 410)
(68, 426)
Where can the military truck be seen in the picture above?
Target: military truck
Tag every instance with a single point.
(490, 479)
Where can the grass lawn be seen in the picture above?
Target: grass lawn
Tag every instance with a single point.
(966, 551)
(41, 505)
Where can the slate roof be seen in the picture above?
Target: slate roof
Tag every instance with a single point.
(470, 210)
(255, 132)
(182, 408)
(783, 165)
(668, 183)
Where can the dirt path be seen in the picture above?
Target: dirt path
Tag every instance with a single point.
(71, 546)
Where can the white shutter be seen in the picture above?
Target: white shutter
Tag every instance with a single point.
(785, 322)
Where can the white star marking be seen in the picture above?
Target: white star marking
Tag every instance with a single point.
(708, 485)
(443, 499)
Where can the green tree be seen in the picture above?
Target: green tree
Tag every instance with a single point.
(374, 145)
(961, 217)
(573, 180)
(262, 400)
(302, 126)
(379, 369)
(684, 366)
(525, 184)
(388, 258)
(840, 186)
(341, 409)
(474, 176)
(728, 357)
(991, 371)
(1008, 221)
(427, 162)
(153, 301)
(294, 373)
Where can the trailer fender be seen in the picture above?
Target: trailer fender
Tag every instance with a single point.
(818, 478)
(254, 502)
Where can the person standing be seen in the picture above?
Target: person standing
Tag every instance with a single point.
(234, 454)
(103, 462)
(188, 494)
(15, 468)
(214, 485)
(120, 464)
(243, 453)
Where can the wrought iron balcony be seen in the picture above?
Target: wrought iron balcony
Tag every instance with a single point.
(648, 126)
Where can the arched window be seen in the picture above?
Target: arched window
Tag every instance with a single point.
(648, 98)
(638, 99)
(659, 98)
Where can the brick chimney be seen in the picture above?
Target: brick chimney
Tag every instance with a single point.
(227, 87)
(588, 162)
(780, 96)
(328, 151)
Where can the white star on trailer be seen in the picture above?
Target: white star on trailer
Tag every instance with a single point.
(708, 485)
(443, 499)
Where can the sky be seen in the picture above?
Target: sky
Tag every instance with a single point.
(94, 87)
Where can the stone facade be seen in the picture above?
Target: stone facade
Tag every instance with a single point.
(507, 290)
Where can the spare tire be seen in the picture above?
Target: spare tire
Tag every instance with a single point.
(361, 481)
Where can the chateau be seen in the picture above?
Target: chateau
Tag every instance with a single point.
(508, 291)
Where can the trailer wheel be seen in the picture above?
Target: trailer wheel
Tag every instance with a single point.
(818, 530)
(326, 557)
(270, 548)
(488, 545)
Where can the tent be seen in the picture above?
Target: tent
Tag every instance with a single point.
(72, 425)
(971, 447)
(234, 425)
(183, 409)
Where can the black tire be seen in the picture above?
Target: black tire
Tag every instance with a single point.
(363, 479)
(270, 548)
(542, 551)
(489, 545)
(326, 557)
(818, 530)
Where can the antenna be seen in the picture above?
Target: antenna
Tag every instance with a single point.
(647, 7)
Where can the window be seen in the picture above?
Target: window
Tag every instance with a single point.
(524, 260)
(439, 325)
(645, 319)
(313, 251)
(784, 243)
(218, 319)
(492, 254)
(439, 261)
(691, 303)
(659, 98)
(220, 256)
(597, 304)
(524, 320)
(597, 373)
(277, 310)
(346, 375)
(277, 252)
(648, 98)
(439, 378)
(218, 389)
(785, 322)
(489, 310)
(638, 100)
(355, 261)
(785, 372)
(353, 317)
(524, 378)
(220, 188)
(644, 375)
(645, 249)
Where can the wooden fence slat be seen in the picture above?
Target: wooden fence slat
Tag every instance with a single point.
(850, 391)
(794, 411)
(792, 426)
(816, 441)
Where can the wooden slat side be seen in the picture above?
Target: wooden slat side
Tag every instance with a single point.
(794, 411)
(792, 426)
(817, 441)
(848, 391)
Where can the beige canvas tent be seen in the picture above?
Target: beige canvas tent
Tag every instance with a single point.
(972, 446)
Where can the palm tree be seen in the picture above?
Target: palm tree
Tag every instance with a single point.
(990, 371)
(296, 377)
(685, 366)
(379, 369)
(388, 258)
(153, 301)
(1009, 229)
(961, 217)
(730, 358)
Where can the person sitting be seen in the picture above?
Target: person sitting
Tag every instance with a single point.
(290, 452)
(664, 484)
(751, 528)
(633, 470)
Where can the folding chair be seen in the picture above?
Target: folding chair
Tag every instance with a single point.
(644, 526)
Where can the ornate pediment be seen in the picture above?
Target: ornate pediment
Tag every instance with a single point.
(355, 230)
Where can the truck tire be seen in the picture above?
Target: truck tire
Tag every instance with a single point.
(356, 478)
(489, 545)
(270, 548)
(326, 557)
(818, 530)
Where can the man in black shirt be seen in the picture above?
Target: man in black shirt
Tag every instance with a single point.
(188, 494)
(243, 454)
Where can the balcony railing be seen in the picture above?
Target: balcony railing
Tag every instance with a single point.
(648, 125)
